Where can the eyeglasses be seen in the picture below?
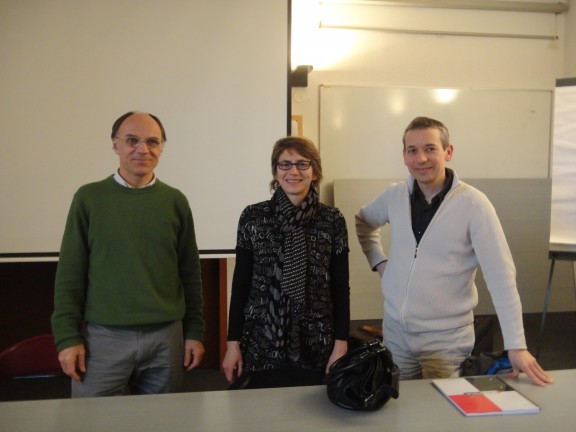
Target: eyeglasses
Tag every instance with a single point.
(287, 165)
(134, 141)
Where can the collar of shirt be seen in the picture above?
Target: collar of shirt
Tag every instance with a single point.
(421, 212)
(119, 179)
(418, 196)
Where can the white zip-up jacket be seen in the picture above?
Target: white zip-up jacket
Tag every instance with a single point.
(431, 286)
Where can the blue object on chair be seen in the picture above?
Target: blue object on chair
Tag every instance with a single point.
(501, 366)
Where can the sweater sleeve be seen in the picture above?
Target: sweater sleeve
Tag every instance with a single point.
(70, 283)
(340, 291)
(241, 283)
(369, 221)
(190, 276)
(499, 272)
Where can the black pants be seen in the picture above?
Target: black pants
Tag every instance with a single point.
(284, 377)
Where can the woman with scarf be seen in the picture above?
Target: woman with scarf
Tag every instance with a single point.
(289, 312)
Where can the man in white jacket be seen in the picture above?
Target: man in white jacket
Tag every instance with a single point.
(441, 230)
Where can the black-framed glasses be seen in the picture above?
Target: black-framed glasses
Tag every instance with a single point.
(134, 141)
(287, 165)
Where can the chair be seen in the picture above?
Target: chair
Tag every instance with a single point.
(35, 356)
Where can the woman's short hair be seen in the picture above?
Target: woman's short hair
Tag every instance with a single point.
(305, 148)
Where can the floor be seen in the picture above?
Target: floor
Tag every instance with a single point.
(557, 351)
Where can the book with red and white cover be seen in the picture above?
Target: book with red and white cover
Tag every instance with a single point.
(484, 395)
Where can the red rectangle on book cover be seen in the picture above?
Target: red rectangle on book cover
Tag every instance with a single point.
(475, 403)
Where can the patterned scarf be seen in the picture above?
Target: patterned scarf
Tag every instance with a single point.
(293, 272)
(288, 288)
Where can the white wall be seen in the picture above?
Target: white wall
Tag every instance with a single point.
(392, 59)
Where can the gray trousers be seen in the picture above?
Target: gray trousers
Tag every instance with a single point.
(141, 361)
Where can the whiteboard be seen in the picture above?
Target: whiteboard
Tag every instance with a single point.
(214, 72)
(495, 133)
(563, 219)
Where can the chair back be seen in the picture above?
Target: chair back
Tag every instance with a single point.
(31, 357)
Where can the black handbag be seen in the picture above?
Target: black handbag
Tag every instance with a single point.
(364, 379)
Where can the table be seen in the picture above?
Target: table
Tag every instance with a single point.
(420, 408)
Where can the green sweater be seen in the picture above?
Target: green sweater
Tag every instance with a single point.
(128, 258)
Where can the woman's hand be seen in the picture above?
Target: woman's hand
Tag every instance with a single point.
(340, 348)
(232, 364)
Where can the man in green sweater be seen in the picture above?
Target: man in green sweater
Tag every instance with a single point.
(128, 294)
